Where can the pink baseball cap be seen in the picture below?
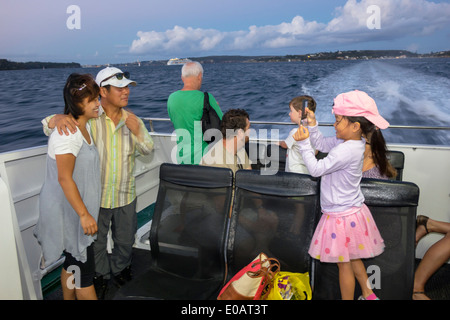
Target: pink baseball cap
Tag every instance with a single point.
(359, 104)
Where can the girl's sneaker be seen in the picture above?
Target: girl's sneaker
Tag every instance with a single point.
(369, 297)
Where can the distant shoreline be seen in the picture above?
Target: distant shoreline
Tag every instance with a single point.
(11, 65)
(320, 56)
(337, 55)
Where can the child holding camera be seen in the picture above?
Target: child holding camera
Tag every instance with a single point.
(346, 232)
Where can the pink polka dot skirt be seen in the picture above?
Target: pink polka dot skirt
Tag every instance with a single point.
(345, 236)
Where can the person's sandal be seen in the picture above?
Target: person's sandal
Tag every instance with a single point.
(422, 221)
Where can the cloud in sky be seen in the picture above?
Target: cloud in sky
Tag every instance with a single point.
(112, 32)
(398, 19)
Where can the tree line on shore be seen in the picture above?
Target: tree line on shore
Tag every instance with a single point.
(11, 65)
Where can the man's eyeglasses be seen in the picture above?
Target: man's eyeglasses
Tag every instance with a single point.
(119, 76)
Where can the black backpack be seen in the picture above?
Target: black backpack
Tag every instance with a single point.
(210, 118)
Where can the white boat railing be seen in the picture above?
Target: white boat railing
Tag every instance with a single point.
(325, 124)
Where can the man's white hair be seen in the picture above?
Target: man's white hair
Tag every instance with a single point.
(192, 68)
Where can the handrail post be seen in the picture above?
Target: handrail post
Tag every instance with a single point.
(150, 121)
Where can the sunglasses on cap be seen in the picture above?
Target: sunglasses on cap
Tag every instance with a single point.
(119, 76)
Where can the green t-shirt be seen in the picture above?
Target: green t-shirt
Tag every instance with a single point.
(185, 110)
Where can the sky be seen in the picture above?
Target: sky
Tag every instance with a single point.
(102, 32)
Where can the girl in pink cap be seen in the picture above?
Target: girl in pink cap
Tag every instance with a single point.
(346, 232)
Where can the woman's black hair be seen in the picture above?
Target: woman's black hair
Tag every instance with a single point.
(79, 87)
(377, 144)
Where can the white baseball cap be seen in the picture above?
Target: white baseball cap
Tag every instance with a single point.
(114, 77)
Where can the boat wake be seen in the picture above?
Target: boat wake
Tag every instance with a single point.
(404, 96)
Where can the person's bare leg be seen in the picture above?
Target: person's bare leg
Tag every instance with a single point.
(361, 275)
(438, 226)
(432, 226)
(346, 280)
(68, 292)
(87, 293)
(433, 259)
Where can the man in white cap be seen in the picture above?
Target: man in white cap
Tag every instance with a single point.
(118, 134)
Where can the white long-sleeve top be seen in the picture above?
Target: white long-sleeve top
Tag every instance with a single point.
(341, 170)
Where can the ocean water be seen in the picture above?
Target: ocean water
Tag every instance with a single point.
(407, 92)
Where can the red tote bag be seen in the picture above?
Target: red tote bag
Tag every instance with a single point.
(249, 282)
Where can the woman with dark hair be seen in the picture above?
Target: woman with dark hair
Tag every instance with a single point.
(69, 201)
(376, 164)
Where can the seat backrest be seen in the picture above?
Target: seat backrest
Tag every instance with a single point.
(274, 214)
(397, 160)
(393, 205)
(266, 156)
(189, 226)
(277, 154)
(256, 153)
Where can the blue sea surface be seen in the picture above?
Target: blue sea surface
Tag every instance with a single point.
(407, 92)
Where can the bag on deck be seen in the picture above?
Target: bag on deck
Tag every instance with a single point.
(249, 283)
(290, 286)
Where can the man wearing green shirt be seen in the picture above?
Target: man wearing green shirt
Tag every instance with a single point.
(185, 108)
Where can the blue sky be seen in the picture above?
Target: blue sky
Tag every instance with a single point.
(123, 31)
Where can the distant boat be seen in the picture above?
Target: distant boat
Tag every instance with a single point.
(176, 61)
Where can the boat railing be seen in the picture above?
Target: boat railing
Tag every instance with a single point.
(324, 124)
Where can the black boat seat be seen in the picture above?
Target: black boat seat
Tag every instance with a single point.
(196, 246)
(187, 235)
(397, 160)
(266, 156)
(274, 214)
(393, 205)
(277, 154)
